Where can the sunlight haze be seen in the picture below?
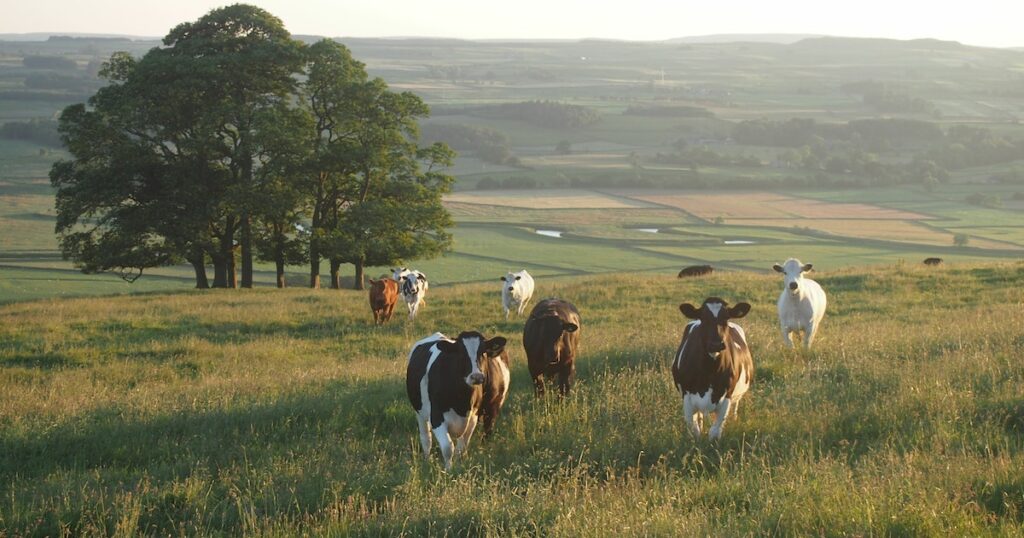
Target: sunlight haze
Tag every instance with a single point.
(992, 23)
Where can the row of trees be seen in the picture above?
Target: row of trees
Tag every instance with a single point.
(234, 143)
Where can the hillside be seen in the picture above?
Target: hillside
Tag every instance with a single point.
(283, 412)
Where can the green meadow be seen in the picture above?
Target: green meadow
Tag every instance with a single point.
(283, 412)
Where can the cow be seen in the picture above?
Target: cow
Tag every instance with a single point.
(801, 304)
(452, 383)
(932, 261)
(696, 270)
(413, 285)
(383, 296)
(551, 339)
(713, 367)
(516, 291)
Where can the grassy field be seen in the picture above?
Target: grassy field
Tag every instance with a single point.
(268, 412)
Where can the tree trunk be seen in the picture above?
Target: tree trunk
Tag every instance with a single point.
(280, 271)
(197, 259)
(246, 243)
(220, 271)
(358, 284)
(227, 252)
(314, 265)
(335, 274)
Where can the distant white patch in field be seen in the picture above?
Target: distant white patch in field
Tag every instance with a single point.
(738, 242)
(550, 233)
(648, 230)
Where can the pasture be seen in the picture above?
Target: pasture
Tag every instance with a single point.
(269, 412)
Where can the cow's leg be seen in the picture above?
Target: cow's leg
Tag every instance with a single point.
(566, 375)
(785, 336)
(506, 311)
(444, 442)
(721, 414)
(425, 440)
(809, 332)
(522, 308)
(463, 442)
(388, 310)
(538, 384)
(692, 417)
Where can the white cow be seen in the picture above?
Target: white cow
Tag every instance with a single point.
(801, 304)
(516, 290)
(413, 286)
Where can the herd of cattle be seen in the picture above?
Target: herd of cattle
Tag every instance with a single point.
(454, 382)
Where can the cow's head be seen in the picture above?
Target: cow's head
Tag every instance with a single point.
(510, 280)
(712, 333)
(550, 330)
(398, 273)
(470, 348)
(794, 273)
(412, 283)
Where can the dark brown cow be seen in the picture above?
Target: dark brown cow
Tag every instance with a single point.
(932, 261)
(383, 296)
(696, 270)
(713, 367)
(551, 338)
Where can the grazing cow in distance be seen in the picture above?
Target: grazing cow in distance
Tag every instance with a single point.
(383, 296)
(413, 285)
(801, 304)
(516, 291)
(932, 261)
(713, 368)
(696, 270)
(551, 339)
(452, 383)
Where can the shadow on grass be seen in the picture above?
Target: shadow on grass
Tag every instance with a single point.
(40, 361)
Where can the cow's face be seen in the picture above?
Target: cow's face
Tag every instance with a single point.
(399, 273)
(713, 331)
(411, 283)
(551, 329)
(509, 281)
(471, 348)
(377, 286)
(793, 271)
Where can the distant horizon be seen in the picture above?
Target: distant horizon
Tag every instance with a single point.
(754, 37)
(982, 23)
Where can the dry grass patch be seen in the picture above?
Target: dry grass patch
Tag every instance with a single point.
(766, 205)
(548, 199)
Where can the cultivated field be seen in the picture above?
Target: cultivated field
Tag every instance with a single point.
(269, 412)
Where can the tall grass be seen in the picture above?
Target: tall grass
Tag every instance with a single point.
(282, 412)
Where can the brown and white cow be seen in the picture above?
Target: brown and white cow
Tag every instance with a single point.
(551, 339)
(383, 296)
(452, 383)
(713, 367)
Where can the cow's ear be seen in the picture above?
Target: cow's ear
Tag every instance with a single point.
(740, 310)
(372, 281)
(393, 269)
(495, 346)
(421, 277)
(807, 267)
(570, 327)
(778, 268)
(503, 279)
(447, 347)
(690, 311)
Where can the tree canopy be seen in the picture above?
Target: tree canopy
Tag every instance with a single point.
(234, 140)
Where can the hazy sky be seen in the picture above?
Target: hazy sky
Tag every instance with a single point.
(996, 23)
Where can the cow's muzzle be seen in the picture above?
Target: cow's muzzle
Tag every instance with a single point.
(792, 286)
(476, 379)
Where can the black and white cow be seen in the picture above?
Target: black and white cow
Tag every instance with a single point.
(413, 285)
(713, 367)
(454, 382)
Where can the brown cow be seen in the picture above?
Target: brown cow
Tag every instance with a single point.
(383, 296)
(551, 337)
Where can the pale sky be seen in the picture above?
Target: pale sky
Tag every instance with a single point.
(994, 23)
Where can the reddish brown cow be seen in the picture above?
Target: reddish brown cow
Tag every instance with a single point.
(383, 296)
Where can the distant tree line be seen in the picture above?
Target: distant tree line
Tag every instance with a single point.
(669, 111)
(883, 98)
(486, 144)
(42, 132)
(49, 62)
(549, 114)
(234, 143)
